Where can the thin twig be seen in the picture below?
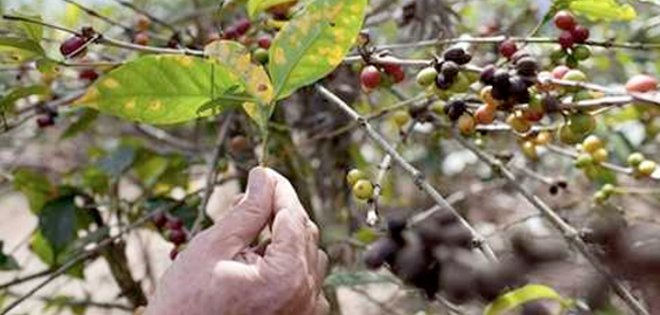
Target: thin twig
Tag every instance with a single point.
(212, 173)
(571, 234)
(418, 177)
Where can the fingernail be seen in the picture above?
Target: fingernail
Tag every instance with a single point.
(257, 181)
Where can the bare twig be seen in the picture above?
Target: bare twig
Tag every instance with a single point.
(418, 177)
(571, 234)
(212, 174)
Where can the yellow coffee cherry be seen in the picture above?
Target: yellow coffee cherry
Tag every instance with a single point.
(591, 144)
(363, 189)
(600, 155)
(401, 118)
(354, 175)
(646, 168)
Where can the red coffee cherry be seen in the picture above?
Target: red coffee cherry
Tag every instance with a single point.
(264, 42)
(73, 45)
(370, 77)
(580, 34)
(174, 252)
(177, 236)
(508, 48)
(564, 20)
(566, 40)
(159, 220)
(242, 26)
(396, 71)
(141, 39)
(642, 83)
(174, 224)
(88, 74)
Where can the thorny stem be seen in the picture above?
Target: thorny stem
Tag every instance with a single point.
(571, 234)
(418, 177)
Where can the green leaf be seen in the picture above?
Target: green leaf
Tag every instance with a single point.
(161, 89)
(313, 43)
(83, 123)
(366, 235)
(19, 50)
(118, 161)
(254, 78)
(33, 31)
(606, 10)
(35, 186)
(151, 168)
(7, 262)
(254, 7)
(520, 296)
(58, 223)
(40, 247)
(7, 101)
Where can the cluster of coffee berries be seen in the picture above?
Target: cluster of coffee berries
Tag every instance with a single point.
(510, 86)
(46, 117)
(529, 143)
(360, 184)
(571, 36)
(604, 193)
(445, 75)
(237, 29)
(436, 256)
(592, 153)
(173, 230)
(642, 167)
(260, 53)
(372, 76)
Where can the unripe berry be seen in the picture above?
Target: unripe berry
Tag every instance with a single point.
(518, 124)
(580, 34)
(564, 20)
(486, 96)
(566, 40)
(484, 115)
(543, 138)
(370, 77)
(591, 144)
(141, 39)
(264, 42)
(73, 45)
(508, 48)
(401, 117)
(646, 168)
(260, 55)
(354, 175)
(575, 75)
(583, 160)
(608, 189)
(642, 83)
(581, 52)
(567, 136)
(466, 124)
(600, 197)
(636, 158)
(461, 84)
(582, 123)
(363, 189)
(426, 76)
(529, 150)
(600, 155)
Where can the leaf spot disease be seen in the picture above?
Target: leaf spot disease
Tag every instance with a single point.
(111, 83)
(155, 105)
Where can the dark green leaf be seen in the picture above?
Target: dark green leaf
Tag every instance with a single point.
(58, 223)
(35, 186)
(7, 262)
(19, 50)
(7, 101)
(83, 122)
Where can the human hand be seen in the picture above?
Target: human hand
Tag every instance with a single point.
(219, 273)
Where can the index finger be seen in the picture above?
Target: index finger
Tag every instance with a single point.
(285, 197)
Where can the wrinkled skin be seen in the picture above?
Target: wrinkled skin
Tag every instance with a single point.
(220, 274)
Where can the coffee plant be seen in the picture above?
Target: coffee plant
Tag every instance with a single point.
(481, 157)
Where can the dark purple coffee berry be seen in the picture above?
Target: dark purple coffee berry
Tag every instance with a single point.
(455, 54)
(380, 252)
(487, 75)
(73, 47)
(44, 121)
(501, 79)
(177, 236)
(450, 70)
(159, 220)
(174, 224)
(527, 66)
(454, 109)
(443, 83)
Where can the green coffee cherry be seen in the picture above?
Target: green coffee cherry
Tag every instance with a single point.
(427, 76)
(636, 158)
(363, 189)
(354, 175)
(583, 160)
(646, 168)
(401, 118)
(582, 123)
(581, 52)
(260, 55)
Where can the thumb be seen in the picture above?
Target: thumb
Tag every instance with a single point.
(243, 224)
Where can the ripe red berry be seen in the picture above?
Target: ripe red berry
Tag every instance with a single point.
(231, 32)
(370, 77)
(177, 236)
(242, 26)
(566, 40)
(159, 220)
(264, 42)
(44, 121)
(88, 74)
(642, 83)
(174, 224)
(580, 34)
(174, 252)
(73, 47)
(508, 48)
(141, 39)
(396, 71)
(564, 20)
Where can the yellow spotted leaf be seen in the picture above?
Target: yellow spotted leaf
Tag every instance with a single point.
(254, 78)
(314, 43)
(254, 7)
(165, 89)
